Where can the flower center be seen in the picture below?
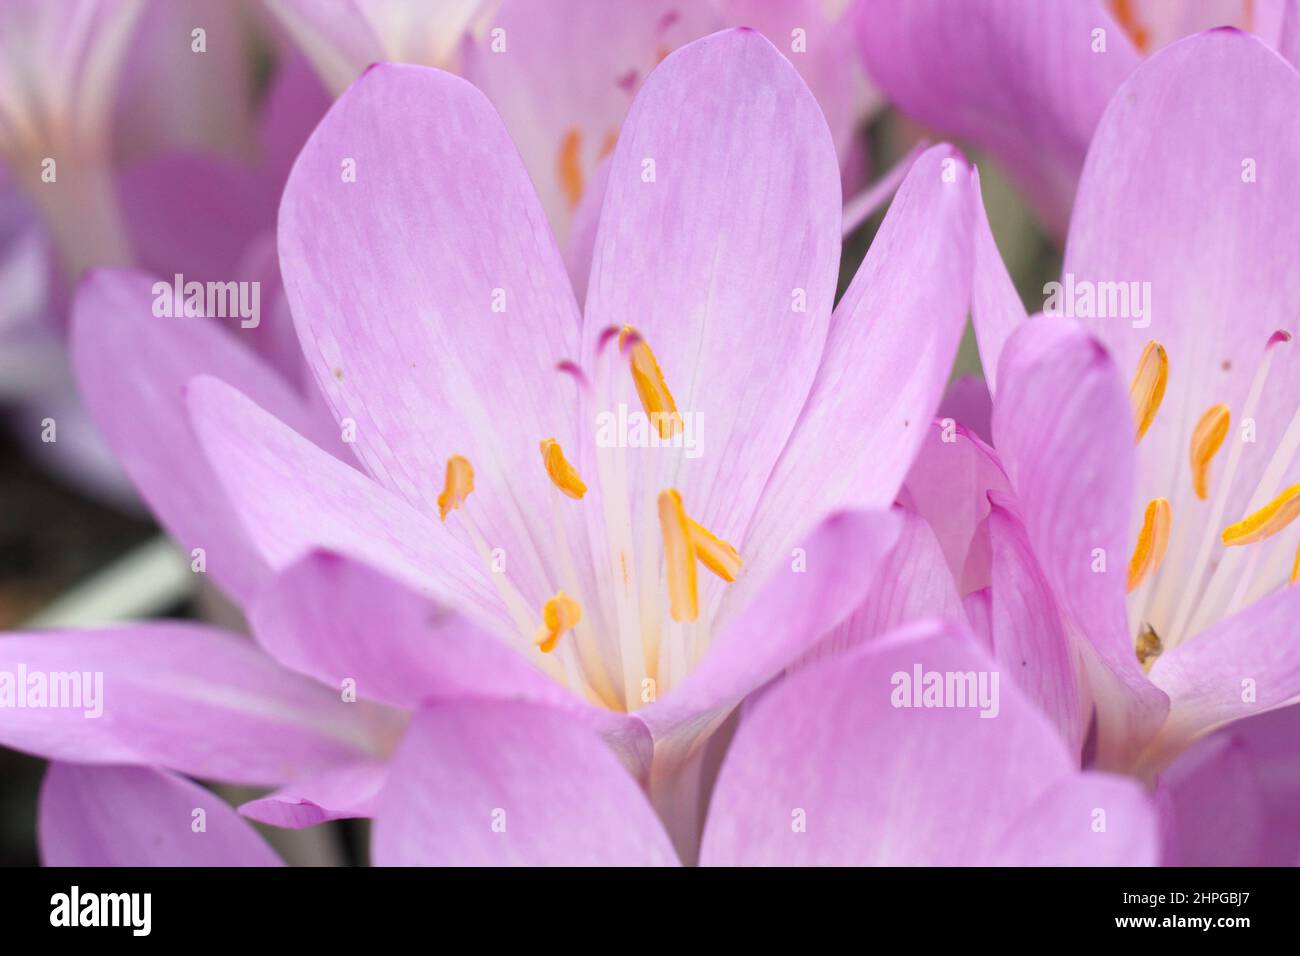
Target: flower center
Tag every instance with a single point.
(1183, 600)
(645, 654)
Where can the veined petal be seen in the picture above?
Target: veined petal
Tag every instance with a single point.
(888, 798)
(1063, 428)
(445, 337)
(183, 696)
(139, 816)
(891, 345)
(1207, 251)
(719, 240)
(493, 783)
(1017, 77)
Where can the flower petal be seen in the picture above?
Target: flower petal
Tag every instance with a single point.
(719, 241)
(891, 345)
(1029, 636)
(1064, 431)
(827, 770)
(911, 583)
(333, 618)
(490, 783)
(138, 816)
(444, 336)
(828, 576)
(1244, 665)
(566, 80)
(1182, 191)
(1217, 807)
(341, 792)
(1094, 819)
(182, 696)
(1017, 77)
(291, 497)
(132, 367)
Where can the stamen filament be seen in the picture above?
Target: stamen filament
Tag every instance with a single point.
(1192, 588)
(679, 554)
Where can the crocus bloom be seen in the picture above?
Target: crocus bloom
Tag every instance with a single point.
(1028, 80)
(1160, 506)
(478, 453)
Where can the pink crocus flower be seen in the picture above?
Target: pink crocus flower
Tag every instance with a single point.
(726, 259)
(1027, 80)
(1168, 557)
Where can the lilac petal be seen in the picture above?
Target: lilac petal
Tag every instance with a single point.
(490, 783)
(1064, 430)
(132, 367)
(1093, 819)
(566, 81)
(1029, 636)
(891, 344)
(138, 816)
(339, 793)
(996, 309)
(829, 574)
(291, 497)
(334, 619)
(1017, 77)
(913, 582)
(871, 783)
(1244, 665)
(828, 61)
(445, 338)
(969, 403)
(182, 696)
(1177, 193)
(725, 263)
(1217, 807)
(949, 485)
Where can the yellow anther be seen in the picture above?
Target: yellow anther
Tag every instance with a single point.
(650, 385)
(457, 486)
(568, 166)
(562, 473)
(1151, 543)
(679, 554)
(1267, 521)
(559, 614)
(714, 553)
(1147, 390)
(1295, 567)
(1208, 437)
